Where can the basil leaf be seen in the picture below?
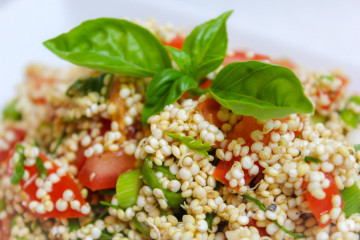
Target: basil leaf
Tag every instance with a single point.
(210, 219)
(350, 118)
(10, 112)
(206, 45)
(165, 88)
(351, 196)
(182, 60)
(83, 87)
(165, 171)
(195, 145)
(112, 45)
(19, 166)
(40, 168)
(142, 227)
(261, 90)
(312, 159)
(59, 142)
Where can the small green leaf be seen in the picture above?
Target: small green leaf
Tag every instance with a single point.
(351, 196)
(261, 90)
(127, 188)
(112, 45)
(165, 88)
(73, 224)
(195, 145)
(59, 142)
(182, 60)
(357, 147)
(206, 45)
(350, 118)
(19, 167)
(312, 159)
(83, 87)
(142, 227)
(10, 112)
(174, 200)
(109, 205)
(40, 168)
(210, 219)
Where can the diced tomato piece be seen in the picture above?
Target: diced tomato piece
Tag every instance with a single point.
(241, 56)
(66, 182)
(101, 171)
(19, 136)
(262, 230)
(177, 42)
(319, 207)
(5, 228)
(208, 109)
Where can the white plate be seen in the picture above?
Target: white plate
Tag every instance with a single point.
(320, 35)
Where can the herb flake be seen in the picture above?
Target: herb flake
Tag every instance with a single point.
(191, 143)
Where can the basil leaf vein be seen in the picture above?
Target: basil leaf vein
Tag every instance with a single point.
(261, 90)
(112, 45)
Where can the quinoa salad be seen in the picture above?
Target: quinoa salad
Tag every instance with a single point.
(162, 134)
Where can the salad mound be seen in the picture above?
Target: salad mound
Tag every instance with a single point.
(162, 135)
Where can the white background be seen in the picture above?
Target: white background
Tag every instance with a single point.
(319, 34)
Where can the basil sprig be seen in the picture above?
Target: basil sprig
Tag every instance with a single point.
(261, 90)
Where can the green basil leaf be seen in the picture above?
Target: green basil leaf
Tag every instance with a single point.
(112, 45)
(165, 171)
(312, 159)
(350, 118)
(197, 92)
(210, 219)
(40, 168)
(109, 205)
(165, 88)
(19, 166)
(182, 60)
(351, 196)
(206, 45)
(261, 90)
(59, 142)
(193, 144)
(10, 112)
(83, 87)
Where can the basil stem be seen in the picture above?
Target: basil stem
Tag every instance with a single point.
(19, 167)
(127, 188)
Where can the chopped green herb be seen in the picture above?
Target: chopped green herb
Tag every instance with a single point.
(2, 205)
(59, 142)
(174, 200)
(83, 87)
(348, 116)
(109, 205)
(105, 236)
(19, 167)
(142, 227)
(10, 112)
(165, 170)
(40, 168)
(195, 145)
(127, 188)
(73, 224)
(262, 207)
(351, 196)
(357, 147)
(209, 219)
(312, 159)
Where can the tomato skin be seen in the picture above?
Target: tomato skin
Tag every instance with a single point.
(66, 182)
(262, 230)
(177, 42)
(107, 167)
(320, 207)
(19, 136)
(240, 56)
(208, 109)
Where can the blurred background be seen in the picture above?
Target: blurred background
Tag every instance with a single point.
(321, 35)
